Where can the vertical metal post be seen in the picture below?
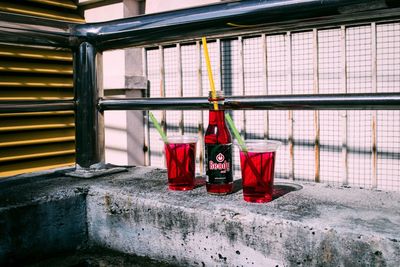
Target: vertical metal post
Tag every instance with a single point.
(89, 121)
(180, 85)
(289, 86)
(265, 81)
(374, 113)
(316, 113)
(241, 82)
(343, 62)
(201, 113)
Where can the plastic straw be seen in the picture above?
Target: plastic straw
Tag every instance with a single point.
(209, 71)
(158, 127)
(236, 133)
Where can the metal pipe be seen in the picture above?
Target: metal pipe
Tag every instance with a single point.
(89, 120)
(36, 106)
(380, 101)
(225, 18)
(169, 103)
(228, 18)
(383, 101)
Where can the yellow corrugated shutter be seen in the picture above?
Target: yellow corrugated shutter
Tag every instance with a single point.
(41, 140)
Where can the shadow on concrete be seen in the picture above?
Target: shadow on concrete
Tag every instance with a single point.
(96, 257)
(237, 185)
(199, 181)
(281, 189)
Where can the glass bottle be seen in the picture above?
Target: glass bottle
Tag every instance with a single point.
(218, 149)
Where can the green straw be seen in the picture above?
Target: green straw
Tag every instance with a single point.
(236, 133)
(158, 127)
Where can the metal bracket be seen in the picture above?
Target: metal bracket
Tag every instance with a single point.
(96, 170)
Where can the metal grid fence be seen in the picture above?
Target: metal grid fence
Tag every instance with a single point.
(356, 148)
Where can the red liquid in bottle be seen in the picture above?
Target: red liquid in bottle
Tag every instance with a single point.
(181, 159)
(218, 154)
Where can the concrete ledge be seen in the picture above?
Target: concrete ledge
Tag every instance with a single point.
(40, 219)
(316, 226)
(134, 213)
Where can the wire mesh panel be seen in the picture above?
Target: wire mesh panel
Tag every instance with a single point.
(253, 76)
(230, 67)
(388, 122)
(359, 123)
(388, 57)
(357, 148)
(191, 88)
(156, 85)
(388, 165)
(214, 52)
(303, 121)
(329, 79)
(254, 82)
(190, 85)
(278, 121)
(331, 147)
(231, 71)
(173, 117)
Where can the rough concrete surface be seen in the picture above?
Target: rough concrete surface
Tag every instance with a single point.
(40, 219)
(315, 226)
(135, 213)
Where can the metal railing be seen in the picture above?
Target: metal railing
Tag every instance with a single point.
(88, 41)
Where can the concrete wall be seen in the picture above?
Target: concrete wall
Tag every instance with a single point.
(34, 226)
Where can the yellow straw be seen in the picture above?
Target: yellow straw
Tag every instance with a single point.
(209, 70)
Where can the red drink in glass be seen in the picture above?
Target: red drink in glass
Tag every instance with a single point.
(180, 154)
(257, 165)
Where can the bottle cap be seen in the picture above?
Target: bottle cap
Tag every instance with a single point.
(219, 94)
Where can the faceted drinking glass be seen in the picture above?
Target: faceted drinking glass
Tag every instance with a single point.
(257, 166)
(180, 155)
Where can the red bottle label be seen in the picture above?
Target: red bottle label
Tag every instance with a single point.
(219, 163)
